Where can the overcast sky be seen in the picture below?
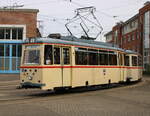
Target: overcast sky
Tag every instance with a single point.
(54, 13)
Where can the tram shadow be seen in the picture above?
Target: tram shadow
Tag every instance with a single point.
(77, 90)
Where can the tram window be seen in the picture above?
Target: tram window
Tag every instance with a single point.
(81, 56)
(66, 56)
(139, 61)
(103, 57)
(48, 56)
(31, 57)
(112, 58)
(93, 57)
(120, 59)
(126, 60)
(56, 55)
(134, 60)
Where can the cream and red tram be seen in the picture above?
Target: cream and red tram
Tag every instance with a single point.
(52, 63)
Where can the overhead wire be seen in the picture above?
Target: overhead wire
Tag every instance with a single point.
(96, 10)
(111, 16)
(52, 18)
(44, 2)
(124, 5)
(75, 3)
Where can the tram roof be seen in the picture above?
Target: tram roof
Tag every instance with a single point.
(71, 40)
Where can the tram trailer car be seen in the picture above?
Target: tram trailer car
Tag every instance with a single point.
(49, 63)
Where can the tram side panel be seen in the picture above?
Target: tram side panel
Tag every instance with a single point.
(113, 75)
(134, 68)
(131, 74)
(94, 76)
(135, 74)
(125, 73)
(100, 76)
(52, 77)
(82, 77)
(106, 76)
(66, 77)
(56, 77)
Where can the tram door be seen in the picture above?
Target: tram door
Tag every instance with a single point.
(121, 57)
(66, 66)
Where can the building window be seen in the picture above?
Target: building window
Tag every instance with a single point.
(146, 30)
(1, 33)
(131, 25)
(7, 33)
(132, 36)
(10, 57)
(128, 38)
(136, 36)
(124, 40)
(1, 50)
(116, 37)
(7, 50)
(11, 33)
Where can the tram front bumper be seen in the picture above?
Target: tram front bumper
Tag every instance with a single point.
(31, 85)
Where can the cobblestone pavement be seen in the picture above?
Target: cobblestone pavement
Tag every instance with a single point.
(131, 100)
(8, 77)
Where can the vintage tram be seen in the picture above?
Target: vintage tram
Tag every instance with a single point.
(69, 62)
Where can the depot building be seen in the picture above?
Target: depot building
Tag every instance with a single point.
(15, 26)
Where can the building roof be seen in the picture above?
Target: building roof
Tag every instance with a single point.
(131, 19)
(110, 32)
(124, 23)
(18, 10)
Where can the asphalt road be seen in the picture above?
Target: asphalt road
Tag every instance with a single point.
(130, 100)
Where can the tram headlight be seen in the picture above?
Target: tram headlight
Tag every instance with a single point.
(29, 77)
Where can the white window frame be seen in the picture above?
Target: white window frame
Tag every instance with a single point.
(14, 26)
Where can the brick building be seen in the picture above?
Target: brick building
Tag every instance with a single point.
(134, 34)
(15, 26)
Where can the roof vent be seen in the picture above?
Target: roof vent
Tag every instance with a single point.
(55, 35)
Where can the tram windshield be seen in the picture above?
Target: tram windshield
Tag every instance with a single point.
(31, 57)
